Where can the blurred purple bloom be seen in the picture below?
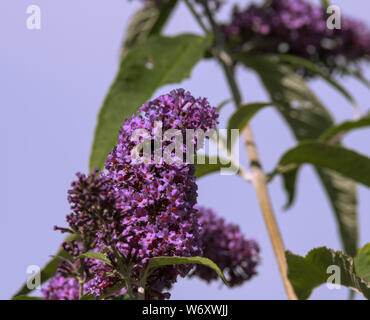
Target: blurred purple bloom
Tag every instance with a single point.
(226, 246)
(299, 28)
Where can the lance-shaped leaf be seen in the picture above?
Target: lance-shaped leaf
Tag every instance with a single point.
(308, 119)
(344, 161)
(344, 127)
(240, 118)
(95, 255)
(296, 61)
(307, 273)
(147, 21)
(302, 110)
(360, 77)
(224, 103)
(146, 67)
(343, 198)
(50, 268)
(158, 262)
(289, 183)
(216, 165)
(342, 193)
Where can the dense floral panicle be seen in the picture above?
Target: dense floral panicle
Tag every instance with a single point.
(142, 210)
(176, 110)
(225, 245)
(158, 217)
(299, 28)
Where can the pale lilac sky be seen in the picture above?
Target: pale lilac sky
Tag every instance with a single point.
(52, 84)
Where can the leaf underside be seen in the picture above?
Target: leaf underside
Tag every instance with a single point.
(308, 119)
(147, 21)
(158, 262)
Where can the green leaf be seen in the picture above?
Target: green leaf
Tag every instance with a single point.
(313, 68)
(308, 119)
(147, 21)
(301, 109)
(146, 67)
(223, 104)
(157, 262)
(362, 262)
(95, 255)
(356, 72)
(289, 182)
(24, 297)
(342, 193)
(360, 77)
(344, 127)
(202, 170)
(88, 296)
(50, 268)
(325, 3)
(344, 161)
(240, 118)
(309, 272)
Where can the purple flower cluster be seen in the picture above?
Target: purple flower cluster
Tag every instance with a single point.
(136, 211)
(299, 28)
(61, 288)
(92, 200)
(226, 246)
(65, 285)
(156, 201)
(142, 210)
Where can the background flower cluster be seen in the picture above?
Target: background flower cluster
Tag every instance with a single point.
(299, 28)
